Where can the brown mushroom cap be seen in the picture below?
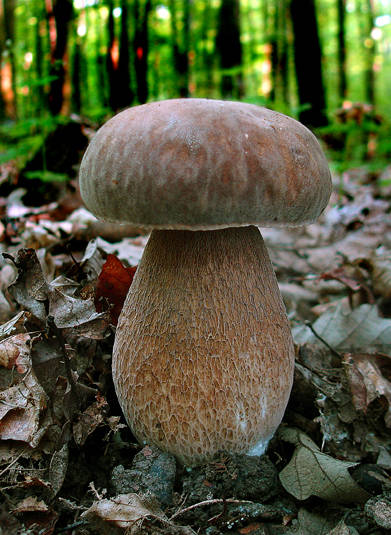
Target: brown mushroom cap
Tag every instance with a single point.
(204, 164)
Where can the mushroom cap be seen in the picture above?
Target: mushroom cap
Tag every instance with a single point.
(204, 164)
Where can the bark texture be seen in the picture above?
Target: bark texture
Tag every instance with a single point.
(203, 357)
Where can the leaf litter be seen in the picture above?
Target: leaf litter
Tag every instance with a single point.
(68, 462)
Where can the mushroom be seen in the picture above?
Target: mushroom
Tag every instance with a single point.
(203, 355)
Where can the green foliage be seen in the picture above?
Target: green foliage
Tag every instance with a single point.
(267, 70)
(46, 176)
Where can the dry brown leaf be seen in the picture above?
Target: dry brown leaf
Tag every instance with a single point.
(380, 267)
(11, 348)
(21, 406)
(31, 504)
(367, 382)
(58, 468)
(89, 420)
(126, 511)
(313, 473)
(345, 329)
(30, 289)
(14, 324)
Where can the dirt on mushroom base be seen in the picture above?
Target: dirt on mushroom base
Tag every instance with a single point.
(68, 460)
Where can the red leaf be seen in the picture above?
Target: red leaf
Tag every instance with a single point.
(113, 285)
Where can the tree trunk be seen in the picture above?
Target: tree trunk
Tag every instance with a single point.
(370, 55)
(180, 47)
(308, 63)
(283, 54)
(60, 12)
(342, 81)
(208, 18)
(125, 94)
(40, 52)
(141, 46)
(75, 80)
(111, 58)
(100, 68)
(7, 42)
(229, 49)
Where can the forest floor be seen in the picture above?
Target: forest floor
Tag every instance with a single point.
(68, 462)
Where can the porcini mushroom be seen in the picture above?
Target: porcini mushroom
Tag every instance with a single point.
(203, 355)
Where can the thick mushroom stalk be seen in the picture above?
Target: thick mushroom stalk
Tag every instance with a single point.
(203, 357)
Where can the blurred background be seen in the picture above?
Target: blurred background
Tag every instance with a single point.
(325, 62)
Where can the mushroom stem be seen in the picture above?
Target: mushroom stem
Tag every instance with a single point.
(203, 356)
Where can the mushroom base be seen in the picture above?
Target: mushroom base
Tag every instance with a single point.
(203, 356)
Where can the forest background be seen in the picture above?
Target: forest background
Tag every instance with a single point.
(68, 461)
(325, 62)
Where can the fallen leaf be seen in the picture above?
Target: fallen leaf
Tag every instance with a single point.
(384, 458)
(345, 329)
(37, 515)
(126, 511)
(14, 324)
(10, 349)
(77, 314)
(93, 259)
(30, 289)
(342, 529)
(30, 504)
(58, 468)
(113, 285)
(309, 523)
(380, 269)
(313, 473)
(364, 208)
(21, 406)
(89, 420)
(66, 286)
(367, 381)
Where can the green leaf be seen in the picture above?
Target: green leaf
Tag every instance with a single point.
(47, 176)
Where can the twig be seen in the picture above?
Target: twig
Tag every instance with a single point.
(207, 502)
(334, 351)
(72, 526)
(58, 334)
(13, 462)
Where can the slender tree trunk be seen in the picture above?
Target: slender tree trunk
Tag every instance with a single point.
(61, 12)
(141, 48)
(267, 33)
(274, 43)
(7, 42)
(180, 47)
(370, 56)
(125, 94)
(40, 51)
(308, 63)
(229, 49)
(75, 79)
(2, 71)
(279, 54)
(207, 54)
(100, 68)
(112, 58)
(342, 80)
(283, 56)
